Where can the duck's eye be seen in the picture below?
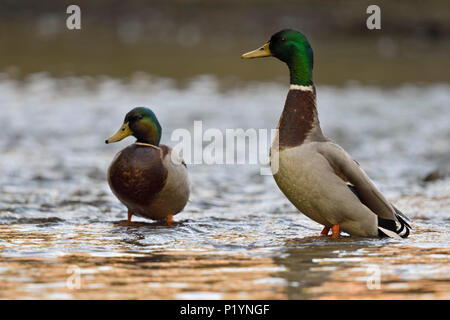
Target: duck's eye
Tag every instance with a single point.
(283, 39)
(140, 117)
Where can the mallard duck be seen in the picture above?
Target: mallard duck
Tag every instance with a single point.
(315, 174)
(147, 177)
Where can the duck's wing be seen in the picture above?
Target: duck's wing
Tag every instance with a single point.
(350, 172)
(169, 153)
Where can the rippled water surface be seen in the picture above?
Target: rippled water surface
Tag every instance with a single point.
(238, 237)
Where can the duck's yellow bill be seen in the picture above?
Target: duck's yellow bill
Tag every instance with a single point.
(123, 132)
(261, 52)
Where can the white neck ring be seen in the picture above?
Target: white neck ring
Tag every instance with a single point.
(302, 88)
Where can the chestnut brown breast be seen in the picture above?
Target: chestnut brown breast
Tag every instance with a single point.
(137, 174)
(297, 118)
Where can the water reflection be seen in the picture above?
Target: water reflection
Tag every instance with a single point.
(238, 238)
(120, 266)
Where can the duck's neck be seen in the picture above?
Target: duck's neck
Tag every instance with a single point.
(147, 132)
(148, 140)
(299, 120)
(300, 69)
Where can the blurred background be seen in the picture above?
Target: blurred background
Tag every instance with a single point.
(384, 95)
(181, 39)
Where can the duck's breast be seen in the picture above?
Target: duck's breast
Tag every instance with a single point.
(137, 174)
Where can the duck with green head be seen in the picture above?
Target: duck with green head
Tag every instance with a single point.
(317, 175)
(146, 176)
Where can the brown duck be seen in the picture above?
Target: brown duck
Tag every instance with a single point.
(150, 180)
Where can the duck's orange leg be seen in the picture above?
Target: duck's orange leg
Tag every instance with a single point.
(129, 223)
(325, 231)
(169, 220)
(335, 231)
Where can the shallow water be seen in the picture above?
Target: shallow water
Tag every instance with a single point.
(238, 237)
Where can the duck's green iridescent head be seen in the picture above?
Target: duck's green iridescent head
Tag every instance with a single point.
(142, 123)
(293, 48)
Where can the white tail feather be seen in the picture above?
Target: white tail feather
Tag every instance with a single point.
(389, 233)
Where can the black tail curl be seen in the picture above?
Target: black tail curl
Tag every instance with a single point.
(402, 231)
(404, 225)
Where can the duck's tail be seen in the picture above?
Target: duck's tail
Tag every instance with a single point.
(389, 228)
(404, 225)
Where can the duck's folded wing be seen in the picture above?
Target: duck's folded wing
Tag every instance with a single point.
(349, 171)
